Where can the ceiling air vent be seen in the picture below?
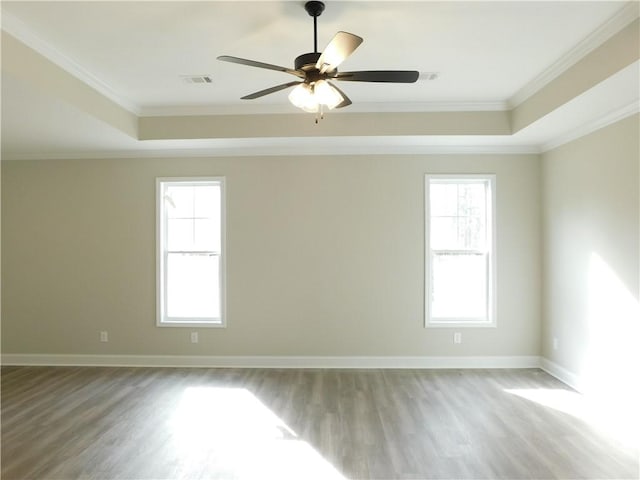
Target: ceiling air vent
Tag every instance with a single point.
(197, 78)
(429, 76)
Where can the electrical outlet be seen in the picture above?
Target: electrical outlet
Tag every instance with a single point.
(555, 343)
(194, 337)
(457, 337)
(104, 336)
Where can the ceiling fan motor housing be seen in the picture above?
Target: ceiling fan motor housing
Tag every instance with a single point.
(307, 61)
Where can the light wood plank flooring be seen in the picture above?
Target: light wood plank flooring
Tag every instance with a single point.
(153, 423)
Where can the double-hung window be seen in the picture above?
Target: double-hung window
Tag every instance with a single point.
(190, 251)
(460, 250)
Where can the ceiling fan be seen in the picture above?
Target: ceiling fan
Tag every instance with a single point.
(316, 71)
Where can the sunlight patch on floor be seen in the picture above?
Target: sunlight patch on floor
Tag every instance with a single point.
(230, 433)
(617, 424)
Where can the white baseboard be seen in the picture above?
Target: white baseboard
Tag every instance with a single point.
(562, 374)
(269, 361)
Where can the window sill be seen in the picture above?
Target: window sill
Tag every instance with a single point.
(192, 324)
(454, 324)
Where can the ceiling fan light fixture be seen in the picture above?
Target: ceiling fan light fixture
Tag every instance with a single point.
(327, 95)
(309, 97)
(302, 97)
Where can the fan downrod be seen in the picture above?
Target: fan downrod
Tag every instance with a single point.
(314, 8)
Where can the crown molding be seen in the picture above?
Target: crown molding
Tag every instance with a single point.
(17, 29)
(610, 118)
(615, 24)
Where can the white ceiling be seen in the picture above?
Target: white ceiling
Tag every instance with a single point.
(489, 56)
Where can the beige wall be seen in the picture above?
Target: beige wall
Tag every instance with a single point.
(591, 258)
(325, 257)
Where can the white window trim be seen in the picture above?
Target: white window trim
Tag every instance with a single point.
(160, 270)
(492, 282)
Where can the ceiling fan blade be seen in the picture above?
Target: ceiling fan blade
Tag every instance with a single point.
(253, 63)
(267, 91)
(340, 47)
(391, 76)
(346, 102)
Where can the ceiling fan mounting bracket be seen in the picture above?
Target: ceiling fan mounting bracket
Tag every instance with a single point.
(314, 9)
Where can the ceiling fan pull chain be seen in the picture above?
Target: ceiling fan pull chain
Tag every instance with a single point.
(319, 113)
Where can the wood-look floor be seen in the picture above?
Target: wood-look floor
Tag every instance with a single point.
(152, 423)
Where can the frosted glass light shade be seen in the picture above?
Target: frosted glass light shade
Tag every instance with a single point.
(310, 97)
(327, 95)
(302, 97)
